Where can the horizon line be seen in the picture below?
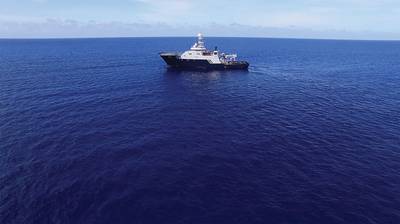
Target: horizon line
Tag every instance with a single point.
(193, 36)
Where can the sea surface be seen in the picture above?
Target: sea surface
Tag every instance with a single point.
(100, 131)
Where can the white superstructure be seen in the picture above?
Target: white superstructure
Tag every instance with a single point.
(199, 52)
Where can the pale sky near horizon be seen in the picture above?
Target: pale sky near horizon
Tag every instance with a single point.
(347, 19)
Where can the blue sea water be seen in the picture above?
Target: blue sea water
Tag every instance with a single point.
(100, 131)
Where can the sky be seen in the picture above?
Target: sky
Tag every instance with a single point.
(331, 19)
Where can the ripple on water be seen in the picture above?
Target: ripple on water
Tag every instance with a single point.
(99, 131)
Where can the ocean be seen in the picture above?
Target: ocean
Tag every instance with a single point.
(100, 131)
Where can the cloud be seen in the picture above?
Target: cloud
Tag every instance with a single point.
(74, 18)
(56, 28)
(164, 11)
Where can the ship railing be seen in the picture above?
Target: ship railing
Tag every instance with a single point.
(228, 57)
(235, 62)
(170, 53)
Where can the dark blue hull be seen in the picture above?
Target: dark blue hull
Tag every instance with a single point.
(175, 61)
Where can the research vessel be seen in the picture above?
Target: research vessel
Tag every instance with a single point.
(198, 57)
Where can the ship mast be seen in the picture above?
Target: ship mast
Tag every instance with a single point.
(199, 45)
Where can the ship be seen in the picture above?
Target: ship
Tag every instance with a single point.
(198, 57)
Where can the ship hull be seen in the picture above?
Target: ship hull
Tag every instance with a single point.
(173, 60)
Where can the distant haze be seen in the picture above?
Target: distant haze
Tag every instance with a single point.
(335, 19)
